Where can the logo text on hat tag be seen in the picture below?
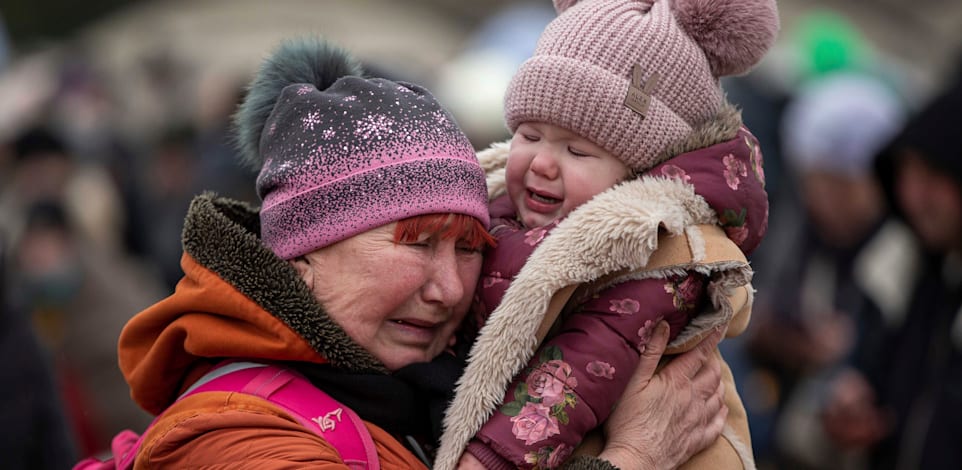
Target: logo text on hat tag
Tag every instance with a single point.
(639, 95)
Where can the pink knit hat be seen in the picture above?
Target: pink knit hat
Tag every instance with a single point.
(340, 154)
(635, 76)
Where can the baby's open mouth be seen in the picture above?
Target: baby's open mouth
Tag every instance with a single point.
(544, 199)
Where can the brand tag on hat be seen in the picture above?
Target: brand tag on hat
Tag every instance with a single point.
(639, 95)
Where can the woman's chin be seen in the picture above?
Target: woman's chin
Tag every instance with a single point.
(401, 359)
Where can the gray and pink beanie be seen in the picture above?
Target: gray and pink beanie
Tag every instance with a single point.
(636, 76)
(340, 154)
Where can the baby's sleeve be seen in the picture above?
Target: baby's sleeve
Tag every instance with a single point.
(575, 378)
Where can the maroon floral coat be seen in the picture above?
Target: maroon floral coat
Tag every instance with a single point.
(572, 382)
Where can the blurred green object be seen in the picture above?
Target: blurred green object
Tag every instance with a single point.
(829, 42)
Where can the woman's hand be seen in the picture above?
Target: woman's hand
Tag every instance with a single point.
(664, 419)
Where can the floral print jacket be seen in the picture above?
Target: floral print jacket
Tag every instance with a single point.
(574, 379)
(570, 384)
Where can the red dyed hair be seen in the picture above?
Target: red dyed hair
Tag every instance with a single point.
(463, 227)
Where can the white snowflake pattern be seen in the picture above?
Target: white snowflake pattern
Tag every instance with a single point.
(311, 120)
(328, 133)
(284, 166)
(374, 126)
(303, 90)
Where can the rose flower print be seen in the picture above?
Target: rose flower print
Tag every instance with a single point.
(645, 332)
(684, 293)
(534, 423)
(600, 369)
(625, 306)
(675, 172)
(548, 456)
(551, 382)
(734, 168)
(540, 401)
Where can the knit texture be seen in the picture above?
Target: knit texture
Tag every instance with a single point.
(628, 75)
(343, 156)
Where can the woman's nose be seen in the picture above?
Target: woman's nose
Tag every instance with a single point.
(445, 286)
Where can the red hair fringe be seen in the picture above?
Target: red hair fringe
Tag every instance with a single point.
(463, 227)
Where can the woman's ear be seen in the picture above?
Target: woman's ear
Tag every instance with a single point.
(304, 269)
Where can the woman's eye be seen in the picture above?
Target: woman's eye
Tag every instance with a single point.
(578, 153)
(530, 138)
(468, 249)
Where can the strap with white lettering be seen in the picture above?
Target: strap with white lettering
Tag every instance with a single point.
(313, 408)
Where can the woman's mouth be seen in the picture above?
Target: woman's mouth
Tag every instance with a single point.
(416, 332)
(415, 323)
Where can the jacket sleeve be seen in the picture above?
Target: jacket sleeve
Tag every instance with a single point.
(575, 378)
(230, 430)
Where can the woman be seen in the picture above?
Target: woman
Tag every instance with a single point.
(356, 272)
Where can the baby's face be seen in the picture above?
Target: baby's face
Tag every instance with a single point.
(551, 171)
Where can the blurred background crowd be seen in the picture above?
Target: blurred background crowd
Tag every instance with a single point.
(114, 113)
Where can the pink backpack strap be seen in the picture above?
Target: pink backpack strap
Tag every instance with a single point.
(123, 447)
(310, 406)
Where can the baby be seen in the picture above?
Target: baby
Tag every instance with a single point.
(631, 193)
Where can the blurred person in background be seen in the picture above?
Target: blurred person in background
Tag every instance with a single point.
(833, 282)
(216, 157)
(40, 169)
(167, 185)
(45, 167)
(79, 297)
(35, 428)
(824, 54)
(72, 274)
(900, 406)
(85, 113)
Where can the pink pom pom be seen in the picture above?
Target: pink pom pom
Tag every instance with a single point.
(561, 5)
(735, 34)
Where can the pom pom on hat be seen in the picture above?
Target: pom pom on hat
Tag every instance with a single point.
(309, 60)
(561, 5)
(734, 34)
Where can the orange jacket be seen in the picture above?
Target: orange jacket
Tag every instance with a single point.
(236, 300)
(233, 430)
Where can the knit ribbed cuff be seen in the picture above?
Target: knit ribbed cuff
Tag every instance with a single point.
(488, 457)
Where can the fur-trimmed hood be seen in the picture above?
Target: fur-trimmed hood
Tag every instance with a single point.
(237, 299)
(625, 232)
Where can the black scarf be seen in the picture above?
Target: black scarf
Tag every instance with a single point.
(409, 402)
